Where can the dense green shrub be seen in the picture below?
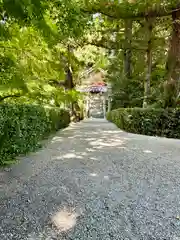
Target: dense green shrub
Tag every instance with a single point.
(23, 126)
(59, 118)
(147, 121)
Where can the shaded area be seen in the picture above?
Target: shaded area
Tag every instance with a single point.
(93, 181)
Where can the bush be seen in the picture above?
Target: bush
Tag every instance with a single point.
(147, 121)
(59, 118)
(23, 126)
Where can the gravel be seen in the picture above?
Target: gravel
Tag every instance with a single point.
(94, 181)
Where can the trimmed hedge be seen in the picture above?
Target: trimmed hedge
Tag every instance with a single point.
(147, 121)
(23, 126)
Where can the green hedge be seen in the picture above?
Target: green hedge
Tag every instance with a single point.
(148, 121)
(23, 126)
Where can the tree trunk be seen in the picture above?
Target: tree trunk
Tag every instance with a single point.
(127, 49)
(171, 90)
(147, 84)
(69, 84)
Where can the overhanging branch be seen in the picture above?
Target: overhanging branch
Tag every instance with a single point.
(98, 10)
(111, 45)
(122, 12)
(2, 98)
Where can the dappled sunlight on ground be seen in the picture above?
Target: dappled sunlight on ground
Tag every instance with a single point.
(147, 151)
(64, 220)
(68, 156)
(123, 148)
(93, 174)
(93, 181)
(94, 158)
(71, 155)
(56, 139)
(93, 141)
(113, 132)
(90, 139)
(90, 150)
(108, 143)
(82, 153)
(106, 177)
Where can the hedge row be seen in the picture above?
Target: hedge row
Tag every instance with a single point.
(23, 126)
(148, 121)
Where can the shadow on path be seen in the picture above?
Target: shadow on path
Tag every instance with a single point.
(94, 181)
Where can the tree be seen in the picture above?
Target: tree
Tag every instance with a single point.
(144, 13)
(36, 37)
(172, 76)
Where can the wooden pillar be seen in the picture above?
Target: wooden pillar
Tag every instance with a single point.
(109, 93)
(109, 103)
(104, 105)
(87, 106)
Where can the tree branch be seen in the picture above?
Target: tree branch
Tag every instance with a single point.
(98, 10)
(102, 44)
(125, 12)
(2, 98)
(56, 83)
(116, 45)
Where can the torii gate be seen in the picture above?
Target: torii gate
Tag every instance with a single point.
(97, 88)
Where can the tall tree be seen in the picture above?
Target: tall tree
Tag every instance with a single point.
(147, 84)
(127, 48)
(172, 76)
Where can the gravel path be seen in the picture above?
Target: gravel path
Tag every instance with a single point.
(93, 181)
